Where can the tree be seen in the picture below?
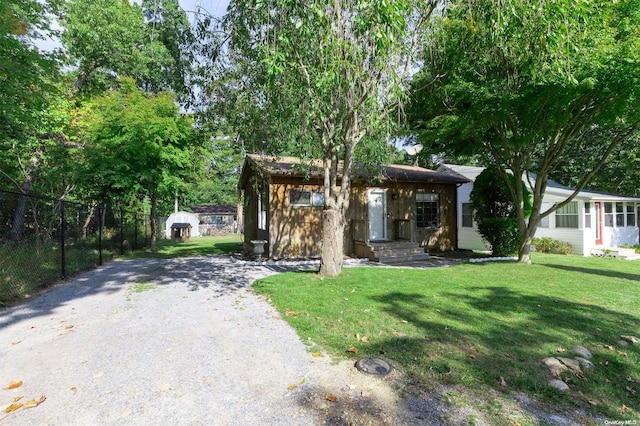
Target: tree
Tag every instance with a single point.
(495, 213)
(319, 79)
(138, 146)
(523, 82)
(168, 24)
(619, 175)
(27, 99)
(107, 39)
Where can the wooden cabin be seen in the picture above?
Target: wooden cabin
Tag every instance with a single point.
(398, 214)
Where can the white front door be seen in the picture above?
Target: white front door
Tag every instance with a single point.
(377, 214)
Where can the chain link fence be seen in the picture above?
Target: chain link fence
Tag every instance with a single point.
(43, 240)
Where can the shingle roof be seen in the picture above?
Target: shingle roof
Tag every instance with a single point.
(214, 209)
(291, 166)
(180, 225)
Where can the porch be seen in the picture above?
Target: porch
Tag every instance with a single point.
(401, 247)
(617, 252)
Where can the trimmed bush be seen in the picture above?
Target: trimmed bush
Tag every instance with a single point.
(549, 245)
(495, 212)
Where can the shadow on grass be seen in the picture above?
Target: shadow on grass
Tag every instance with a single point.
(592, 271)
(494, 332)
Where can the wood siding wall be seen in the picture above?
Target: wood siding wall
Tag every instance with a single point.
(401, 206)
(296, 231)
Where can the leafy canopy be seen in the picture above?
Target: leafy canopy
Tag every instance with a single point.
(137, 144)
(522, 83)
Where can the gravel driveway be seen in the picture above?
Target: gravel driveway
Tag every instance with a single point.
(182, 341)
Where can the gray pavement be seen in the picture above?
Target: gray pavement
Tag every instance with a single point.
(175, 342)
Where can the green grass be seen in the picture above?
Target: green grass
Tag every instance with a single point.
(469, 325)
(200, 246)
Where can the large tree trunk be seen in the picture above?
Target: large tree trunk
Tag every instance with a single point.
(152, 223)
(524, 251)
(17, 225)
(87, 222)
(332, 256)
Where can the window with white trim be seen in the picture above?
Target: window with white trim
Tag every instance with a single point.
(467, 215)
(302, 197)
(587, 215)
(567, 215)
(427, 210)
(619, 215)
(631, 215)
(608, 214)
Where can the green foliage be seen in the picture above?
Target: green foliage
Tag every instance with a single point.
(25, 73)
(138, 146)
(522, 82)
(168, 24)
(620, 174)
(326, 98)
(549, 245)
(104, 38)
(501, 233)
(108, 39)
(495, 212)
(318, 79)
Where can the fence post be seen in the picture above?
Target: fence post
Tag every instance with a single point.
(62, 237)
(121, 231)
(135, 220)
(100, 234)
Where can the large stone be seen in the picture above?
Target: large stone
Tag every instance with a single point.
(581, 351)
(571, 364)
(585, 363)
(559, 384)
(631, 339)
(554, 366)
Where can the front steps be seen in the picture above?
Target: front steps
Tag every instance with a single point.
(617, 252)
(396, 252)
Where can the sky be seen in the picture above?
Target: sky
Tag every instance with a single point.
(214, 7)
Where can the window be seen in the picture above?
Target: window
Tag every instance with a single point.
(620, 215)
(608, 214)
(262, 210)
(587, 215)
(298, 197)
(631, 215)
(427, 210)
(467, 217)
(214, 219)
(567, 215)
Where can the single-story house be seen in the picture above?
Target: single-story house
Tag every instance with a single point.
(591, 222)
(183, 218)
(403, 212)
(216, 219)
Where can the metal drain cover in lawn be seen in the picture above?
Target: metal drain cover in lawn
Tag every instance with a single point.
(373, 365)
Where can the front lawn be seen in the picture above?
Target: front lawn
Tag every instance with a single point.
(197, 246)
(482, 329)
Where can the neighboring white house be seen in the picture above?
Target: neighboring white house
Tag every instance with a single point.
(591, 221)
(182, 217)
